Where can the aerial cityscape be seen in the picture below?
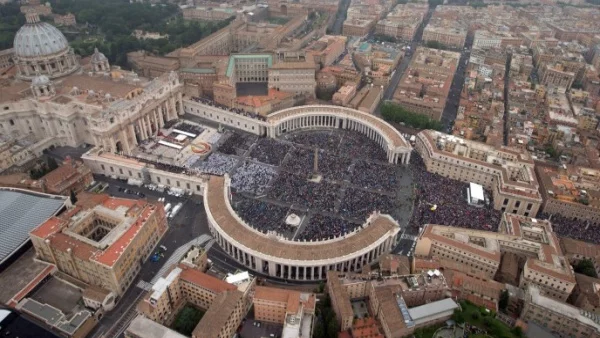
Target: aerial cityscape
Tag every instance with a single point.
(299, 168)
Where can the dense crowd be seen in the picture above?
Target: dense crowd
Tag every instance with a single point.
(263, 216)
(375, 176)
(232, 110)
(582, 230)
(270, 151)
(189, 128)
(326, 140)
(359, 204)
(236, 143)
(440, 200)
(356, 145)
(252, 178)
(294, 189)
(216, 164)
(322, 227)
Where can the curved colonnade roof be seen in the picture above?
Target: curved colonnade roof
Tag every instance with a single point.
(386, 129)
(216, 203)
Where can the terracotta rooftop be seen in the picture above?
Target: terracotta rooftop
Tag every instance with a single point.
(204, 280)
(217, 315)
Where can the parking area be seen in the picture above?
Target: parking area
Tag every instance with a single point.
(255, 329)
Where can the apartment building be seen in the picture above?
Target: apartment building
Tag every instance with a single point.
(293, 309)
(225, 304)
(102, 241)
(555, 75)
(397, 29)
(576, 250)
(201, 13)
(425, 85)
(447, 36)
(507, 172)
(357, 27)
(559, 317)
(479, 252)
(72, 176)
(395, 301)
(293, 73)
(571, 191)
(327, 49)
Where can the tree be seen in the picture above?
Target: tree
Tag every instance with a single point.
(186, 320)
(73, 198)
(503, 301)
(333, 328)
(586, 267)
(517, 331)
(52, 164)
(395, 113)
(321, 287)
(458, 316)
(435, 45)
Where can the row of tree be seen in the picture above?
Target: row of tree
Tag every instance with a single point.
(326, 323)
(392, 112)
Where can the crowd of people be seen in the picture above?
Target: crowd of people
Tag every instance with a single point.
(293, 189)
(215, 164)
(236, 143)
(582, 230)
(322, 227)
(359, 204)
(232, 110)
(269, 151)
(440, 200)
(252, 178)
(189, 128)
(375, 176)
(263, 216)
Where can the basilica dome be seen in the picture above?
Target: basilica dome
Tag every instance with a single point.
(39, 40)
(41, 48)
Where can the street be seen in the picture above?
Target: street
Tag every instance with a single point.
(453, 100)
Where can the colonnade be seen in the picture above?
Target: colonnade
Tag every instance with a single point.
(331, 121)
(304, 271)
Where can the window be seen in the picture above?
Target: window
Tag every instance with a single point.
(102, 166)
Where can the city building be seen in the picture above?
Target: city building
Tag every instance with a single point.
(102, 241)
(73, 176)
(479, 252)
(576, 250)
(559, 317)
(425, 84)
(65, 20)
(387, 296)
(570, 191)
(327, 49)
(357, 27)
(556, 76)
(224, 303)
(450, 37)
(201, 13)
(293, 309)
(508, 173)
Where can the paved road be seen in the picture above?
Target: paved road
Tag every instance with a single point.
(189, 223)
(340, 17)
(451, 107)
(401, 68)
(506, 102)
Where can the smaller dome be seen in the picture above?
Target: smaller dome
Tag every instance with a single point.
(40, 80)
(97, 56)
